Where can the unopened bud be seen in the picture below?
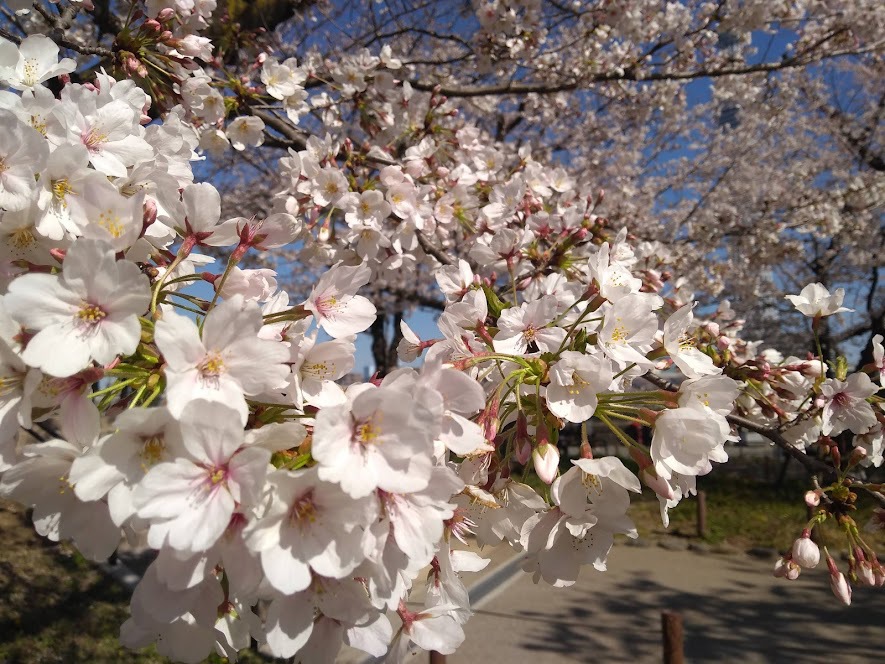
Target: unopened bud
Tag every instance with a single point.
(805, 552)
(841, 588)
(857, 455)
(166, 14)
(149, 213)
(865, 573)
(546, 461)
(837, 456)
(812, 498)
(522, 450)
(786, 569)
(656, 483)
(153, 25)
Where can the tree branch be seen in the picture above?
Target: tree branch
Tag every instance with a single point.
(428, 248)
(628, 74)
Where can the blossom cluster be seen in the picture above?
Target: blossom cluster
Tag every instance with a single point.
(284, 507)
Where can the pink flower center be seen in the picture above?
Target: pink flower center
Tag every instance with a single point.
(93, 139)
(841, 399)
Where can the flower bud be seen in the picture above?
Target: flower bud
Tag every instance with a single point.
(838, 582)
(522, 450)
(812, 498)
(865, 573)
(656, 483)
(841, 588)
(787, 569)
(546, 461)
(805, 552)
(166, 14)
(586, 450)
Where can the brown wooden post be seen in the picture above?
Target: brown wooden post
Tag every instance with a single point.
(671, 627)
(702, 513)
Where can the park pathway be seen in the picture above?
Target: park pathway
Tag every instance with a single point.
(734, 611)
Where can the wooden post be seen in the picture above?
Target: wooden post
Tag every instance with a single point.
(702, 513)
(437, 658)
(671, 627)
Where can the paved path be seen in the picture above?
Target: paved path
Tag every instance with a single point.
(734, 611)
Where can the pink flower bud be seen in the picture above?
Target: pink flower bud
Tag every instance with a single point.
(786, 569)
(149, 213)
(522, 451)
(166, 14)
(712, 329)
(865, 573)
(153, 25)
(656, 483)
(805, 552)
(838, 582)
(546, 461)
(812, 498)
(841, 588)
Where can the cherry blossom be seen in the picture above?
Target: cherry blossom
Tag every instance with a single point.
(88, 313)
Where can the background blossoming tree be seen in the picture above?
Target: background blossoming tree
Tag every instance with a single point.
(579, 189)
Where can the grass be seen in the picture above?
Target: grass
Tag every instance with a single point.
(744, 512)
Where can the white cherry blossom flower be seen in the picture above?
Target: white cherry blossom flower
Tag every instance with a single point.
(524, 329)
(23, 154)
(681, 348)
(845, 405)
(189, 501)
(223, 364)
(686, 440)
(380, 439)
(89, 312)
(339, 311)
(245, 131)
(309, 526)
(575, 380)
(815, 300)
(32, 62)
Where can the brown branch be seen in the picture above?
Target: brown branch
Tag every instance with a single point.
(628, 74)
(428, 248)
(86, 50)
